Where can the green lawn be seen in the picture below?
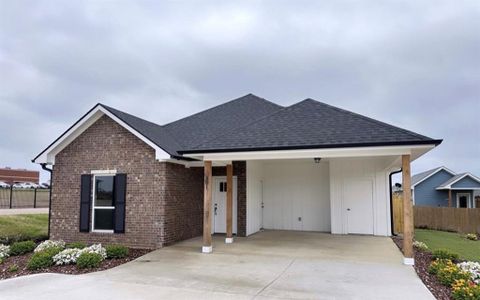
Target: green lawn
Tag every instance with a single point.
(454, 242)
(23, 227)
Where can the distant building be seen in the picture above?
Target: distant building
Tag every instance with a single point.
(10, 175)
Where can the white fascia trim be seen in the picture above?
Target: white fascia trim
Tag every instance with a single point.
(48, 156)
(449, 187)
(194, 164)
(310, 153)
(435, 172)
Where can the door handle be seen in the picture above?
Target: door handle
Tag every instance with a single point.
(215, 209)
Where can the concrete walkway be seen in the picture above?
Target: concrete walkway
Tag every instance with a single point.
(267, 265)
(22, 211)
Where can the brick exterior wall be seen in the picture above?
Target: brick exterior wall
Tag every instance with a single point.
(163, 203)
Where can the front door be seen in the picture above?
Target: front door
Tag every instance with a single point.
(219, 204)
(358, 205)
(463, 200)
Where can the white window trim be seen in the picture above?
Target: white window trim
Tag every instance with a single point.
(469, 200)
(95, 174)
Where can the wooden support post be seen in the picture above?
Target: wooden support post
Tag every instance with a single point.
(407, 212)
(449, 198)
(229, 238)
(207, 208)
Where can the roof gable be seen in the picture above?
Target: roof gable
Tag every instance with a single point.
(420, 177)
(309, 124)
(461, 181)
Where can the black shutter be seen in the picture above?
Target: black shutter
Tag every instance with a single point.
(120, 194)
(85, 200)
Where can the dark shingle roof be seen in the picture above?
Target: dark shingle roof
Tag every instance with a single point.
(154, 132)
(203, 126)
(309, 124)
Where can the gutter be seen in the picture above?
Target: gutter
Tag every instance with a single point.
(44, 166)
(391, 200)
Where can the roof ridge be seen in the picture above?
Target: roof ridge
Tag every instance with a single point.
(371, 120)
(221, 104)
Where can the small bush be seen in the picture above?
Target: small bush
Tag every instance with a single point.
(465, 290)
(20, 248)
(438, 264)
(4, 251)
(89, 260)
(473, 268)
(67, 256)
(43, 259)
(447, 272)
(420, 245)
(444, 254)
(13, 268)
(50, 244)
(471, 236)
(116, 251)
(76, 245)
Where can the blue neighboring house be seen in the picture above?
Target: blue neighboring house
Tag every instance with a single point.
(443, 187)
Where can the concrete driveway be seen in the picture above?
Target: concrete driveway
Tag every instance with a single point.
(267, 265)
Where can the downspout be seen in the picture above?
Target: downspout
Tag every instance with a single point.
(391, 200)
(44, 166)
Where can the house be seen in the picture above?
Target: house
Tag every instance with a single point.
(242, 166)
(443, 187)
(12, 176)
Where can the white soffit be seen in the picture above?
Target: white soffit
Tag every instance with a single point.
(414, 150)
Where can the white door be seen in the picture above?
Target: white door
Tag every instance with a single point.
(358, 205)
(296, 196)
(219, 204)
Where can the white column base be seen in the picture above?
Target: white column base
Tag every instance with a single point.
(228, 240)
(207, 249)
(408, 261)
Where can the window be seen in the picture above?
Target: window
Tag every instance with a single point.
(103, 206)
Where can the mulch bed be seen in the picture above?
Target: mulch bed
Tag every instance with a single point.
(422, 262)
(22, 260)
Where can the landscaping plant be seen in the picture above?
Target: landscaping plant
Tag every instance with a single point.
(50, 244)
(67, 256)
(473, 268)
(20, 248)
(13, 268)
(76, 245)
(420, 245)
(89, 260)
(444, 254)
(465, 290)
(4, 251)
(471, 236)
(43, 259)
(116, 251)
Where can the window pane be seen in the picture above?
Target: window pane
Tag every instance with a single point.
(104, 190)
(103, 219)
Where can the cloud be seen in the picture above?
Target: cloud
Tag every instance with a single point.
(413, 64)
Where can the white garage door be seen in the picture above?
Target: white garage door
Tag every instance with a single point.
(296, 196)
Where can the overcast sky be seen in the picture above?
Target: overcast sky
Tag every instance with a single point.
(414, 64)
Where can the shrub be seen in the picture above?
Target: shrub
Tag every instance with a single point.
(13, 268)
(98, 249)
(67, 256)
(444, 254)
(420, 245)
(447, 272)
(116, 251)
(465, 290)
(4, 251)
(471, 236)
(473, 268)
(43, 259)
(436, 265)
(76, 245)
(20, 248)
(50, 244)
(89, 260)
